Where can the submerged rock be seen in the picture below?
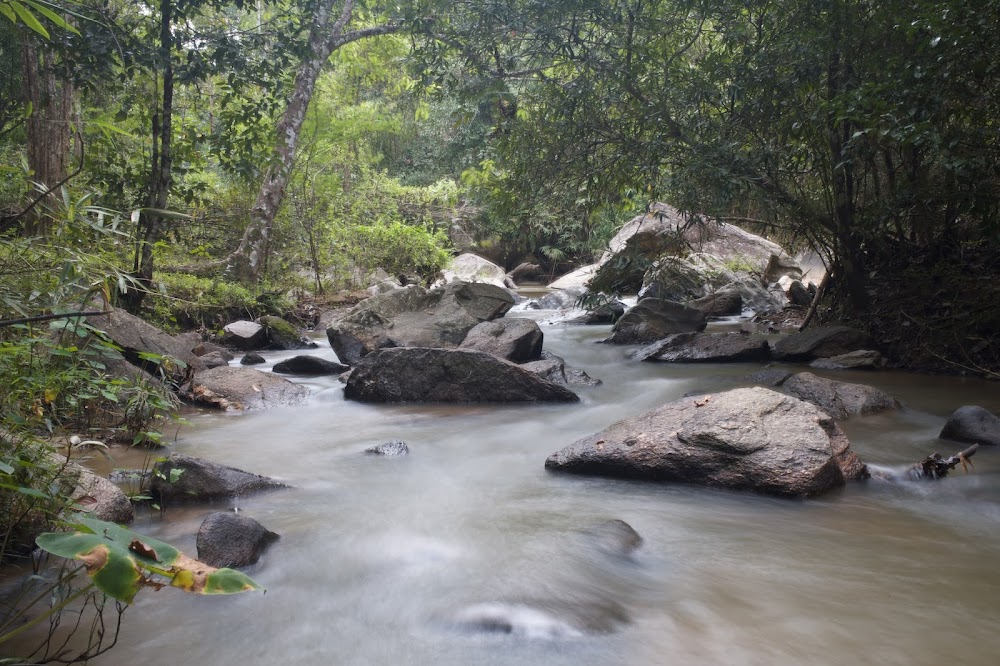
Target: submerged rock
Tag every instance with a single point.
(396, 447)
(228, 539)
(413, 374)
(252, 358)
(614, 537)
(745, 439)
(181, 478)
(541, 618)
(553, 368)
(972, 423)
(839, 399)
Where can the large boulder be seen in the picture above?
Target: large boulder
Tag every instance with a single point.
(577, 279)
(517, 340)
(707, 348)
(820, 342)
(652, 319)
(561, 299)
(282, 334)
(698, 275)
(414, 317)
(470, 267)
(723, 303)
(237, 389)
(780, 265)
(180, 478)
(228, 539)
(309, 365)
(745, 439)
(147, 347)
(415, 374)
(972, 423)
(839, 399)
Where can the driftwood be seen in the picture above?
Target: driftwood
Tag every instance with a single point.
(935, 466)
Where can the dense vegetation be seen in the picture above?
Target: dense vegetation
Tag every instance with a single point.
(195, 160)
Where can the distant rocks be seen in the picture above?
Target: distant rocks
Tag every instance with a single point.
(820, 342)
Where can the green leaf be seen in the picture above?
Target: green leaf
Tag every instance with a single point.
(5, 468)
(28, 18)
(52, 16)
(120, 561)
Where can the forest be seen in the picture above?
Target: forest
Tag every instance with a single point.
(199, 161)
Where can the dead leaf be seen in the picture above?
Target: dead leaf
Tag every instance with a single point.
(139, 548)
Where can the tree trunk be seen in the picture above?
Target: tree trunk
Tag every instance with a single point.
(49, 127)
(150, 227)
(325, 36)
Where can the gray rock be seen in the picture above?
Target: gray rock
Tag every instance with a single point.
(779, 265)
(416, 374)
(707, 348)
(244, 335)
(614, 537)
(652, 319)
(820, 342)
(414, 317)
(471, 268)
(606, 313)
(553, 368)
(200, 480)
(719, 304)
(228, 539)
(235, 389)
(839, 399)
(309, 365)
(100, 498)
(137, 339)
(526, 272)
(517, 340)
(799, 295)
(561, 299)
(855, 360)
(396, 447)
(252, 358)
(972, 423)
(770, 377)
(214, 359)
(745, 439)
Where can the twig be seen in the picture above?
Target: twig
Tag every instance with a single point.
(61, 315)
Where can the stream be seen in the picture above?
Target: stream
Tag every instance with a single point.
(391, 560)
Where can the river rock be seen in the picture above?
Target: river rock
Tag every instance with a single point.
(396, 447)
(414, 374)
(541, 618)
(780, 265)
(414, 317)
(553, 368)
(719, 304)
(99, 497)
(707, 348)
(770, 377)
(839, 399)
(525, 272)
(653, 319)
(561, 299)
(470, 267)
(228, 539)
(214, 359)
(605, 313)
(614, 537)
(576, 279)
(244, 335)
(252, 358)
(200, 480)
(234, 389)
(517, 340)
(798, 294)
(855, 360)
(309, 365)
(137, 339)
(972, 423)
(745, 439)
(819, 342)
(282, 334)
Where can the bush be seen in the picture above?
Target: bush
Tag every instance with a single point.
(188, 302)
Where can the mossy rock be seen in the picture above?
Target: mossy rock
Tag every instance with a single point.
(282, 334)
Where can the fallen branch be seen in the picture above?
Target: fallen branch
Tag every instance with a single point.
(61, 315)
(935, 466)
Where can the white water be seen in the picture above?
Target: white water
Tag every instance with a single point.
(388, 560)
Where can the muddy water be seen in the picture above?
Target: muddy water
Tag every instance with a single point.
(404, 560)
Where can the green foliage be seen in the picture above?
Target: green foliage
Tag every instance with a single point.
(186, 302)
(397, 247)
(121, 562)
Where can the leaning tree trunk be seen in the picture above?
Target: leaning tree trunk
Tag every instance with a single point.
(49, 128)
(325, 36)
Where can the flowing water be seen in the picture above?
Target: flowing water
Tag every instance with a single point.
(405, 560)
